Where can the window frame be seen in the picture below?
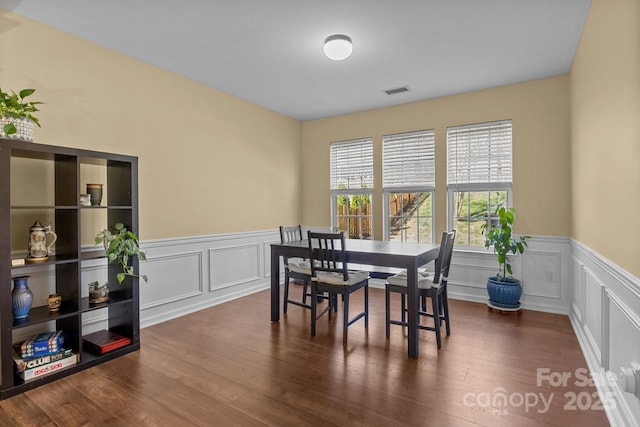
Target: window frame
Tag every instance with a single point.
(426, 186)
(452, 188)
(362, 191)
(473, 188)
(353, 192)
(385, 196)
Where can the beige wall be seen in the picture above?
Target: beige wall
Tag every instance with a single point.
(194, 141)
(605, 128)
(541, 155)
(209, 162)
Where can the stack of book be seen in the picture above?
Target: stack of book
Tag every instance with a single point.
(42, 354)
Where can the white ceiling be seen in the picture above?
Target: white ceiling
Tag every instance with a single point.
(269, 52)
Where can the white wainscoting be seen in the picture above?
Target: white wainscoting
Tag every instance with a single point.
(605, 313)
(188, 274)
(558, 274)
(544, 269)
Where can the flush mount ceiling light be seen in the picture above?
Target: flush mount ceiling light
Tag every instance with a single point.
(338, 47)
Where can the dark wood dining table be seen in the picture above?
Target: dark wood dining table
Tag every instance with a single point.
(407, 255)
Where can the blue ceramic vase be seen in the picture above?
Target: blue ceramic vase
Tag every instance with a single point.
(504, 292)
(21, 298)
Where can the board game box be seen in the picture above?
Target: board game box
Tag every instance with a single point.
(68, 359)
(24, 364)
(43, 344)
(104, 341)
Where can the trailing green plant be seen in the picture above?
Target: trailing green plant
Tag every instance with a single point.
(499, 236)
(13, 105)
(120, 245)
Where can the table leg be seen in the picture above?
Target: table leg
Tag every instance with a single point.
(275, 285)
(412, 306)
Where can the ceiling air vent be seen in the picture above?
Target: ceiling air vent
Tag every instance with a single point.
(397, 90)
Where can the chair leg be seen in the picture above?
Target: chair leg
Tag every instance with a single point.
(387, 311)
(305, 289)
(445, 309)
(366, 306)
(314, 309)
(436, 318)
(332, 303)
(286, 291)
(403, 307)
(345, 316)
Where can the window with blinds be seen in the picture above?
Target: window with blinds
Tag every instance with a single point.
(408, 160)
(408, 180)
(479, 175)
(352, 164)
(479, 154)
(351, 178)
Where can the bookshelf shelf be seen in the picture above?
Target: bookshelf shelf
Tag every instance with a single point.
(42, 314)
(56, 199)
(53, 260)
(114, 300)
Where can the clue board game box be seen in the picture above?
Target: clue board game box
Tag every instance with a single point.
(26, 364)
(29, 374)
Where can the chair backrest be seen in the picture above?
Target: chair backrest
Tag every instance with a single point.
(443, 262)
(290, 234)
(446, 261)
(327, 253)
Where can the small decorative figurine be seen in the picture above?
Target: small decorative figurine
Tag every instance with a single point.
(54, 301)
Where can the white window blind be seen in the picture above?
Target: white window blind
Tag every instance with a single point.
(479, 154)
(352, 164)
(408, 160)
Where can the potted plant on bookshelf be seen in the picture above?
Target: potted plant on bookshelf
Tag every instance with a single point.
(504, 291)
(98, 293)
(120, 246)
(16, 115)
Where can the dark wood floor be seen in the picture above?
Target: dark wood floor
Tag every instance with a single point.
(230, 366)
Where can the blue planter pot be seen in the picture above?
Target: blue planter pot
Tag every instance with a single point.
(504, 293)
(21, 298)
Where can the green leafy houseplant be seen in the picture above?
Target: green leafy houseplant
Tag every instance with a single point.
(500, 237)
(120, 245)
(13, 105)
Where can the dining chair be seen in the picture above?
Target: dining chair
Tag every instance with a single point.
(431, 285)
(295, 268)
(330, 273)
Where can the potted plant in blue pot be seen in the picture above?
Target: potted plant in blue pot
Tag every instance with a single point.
(504, 290)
